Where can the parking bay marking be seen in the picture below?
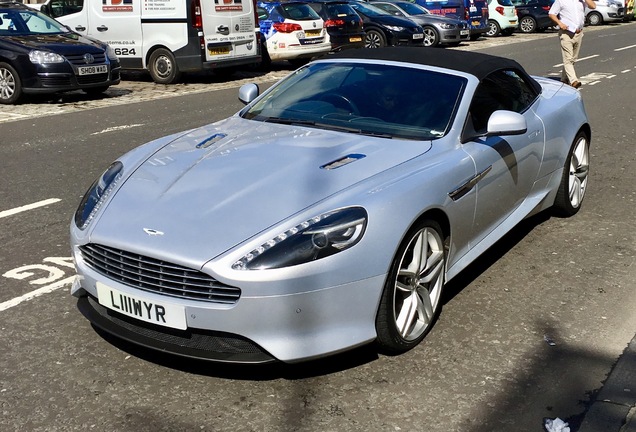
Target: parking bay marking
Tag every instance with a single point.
(51, 274)
(27, 207)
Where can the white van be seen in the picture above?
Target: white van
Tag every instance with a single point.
(167, 37)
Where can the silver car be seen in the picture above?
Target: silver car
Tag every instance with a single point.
(329, 212)
(438, 29)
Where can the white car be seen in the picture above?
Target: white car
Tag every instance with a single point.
(291, 31)
(606, 11)
(502, 18)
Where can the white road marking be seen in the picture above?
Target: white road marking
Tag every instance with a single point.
(581, 59)
(38, 292)
(626, 70)
(116, 128)
(27, 207)
(624, 48)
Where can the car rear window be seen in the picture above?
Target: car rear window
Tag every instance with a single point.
(298, 12)
(340, 10)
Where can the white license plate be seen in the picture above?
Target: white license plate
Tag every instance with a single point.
(464, 32)
(92, 70)
(151, 311)
(418, 36)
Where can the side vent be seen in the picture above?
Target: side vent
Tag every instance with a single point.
(342, 161)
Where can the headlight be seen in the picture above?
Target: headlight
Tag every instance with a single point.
(395, 28)
(110, 52)
(447, 26)
(44, 57)
(312, 240)
(96, 195)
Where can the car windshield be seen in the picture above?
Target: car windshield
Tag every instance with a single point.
(31, 22)
(375, 99)
(414, 9)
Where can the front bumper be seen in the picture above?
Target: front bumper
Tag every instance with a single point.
(54, 82)
(310, 323)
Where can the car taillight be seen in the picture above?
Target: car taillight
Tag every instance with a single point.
(500, 10)
(545, 8)
(466, 15)
(287, 27)
(334, 23)
(197, 19)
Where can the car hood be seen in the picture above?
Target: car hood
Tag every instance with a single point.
(59, 43)
(219, 185)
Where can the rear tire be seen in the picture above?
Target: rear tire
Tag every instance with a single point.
(574, 180)
(493, 28)
(163, 67)
(527, 24)
(10, 84)
(410, 301)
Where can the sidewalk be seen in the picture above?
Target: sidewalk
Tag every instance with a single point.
(614, 408)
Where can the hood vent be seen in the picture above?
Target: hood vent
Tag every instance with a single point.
(342, 161)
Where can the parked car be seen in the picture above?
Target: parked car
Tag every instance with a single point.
(606, 11)
(383, 29)
(291, 31)
(344, 26)
(533, 15)
(39, 55)
(318, 218)
(474, 12)
(502, 18)
(438, 29)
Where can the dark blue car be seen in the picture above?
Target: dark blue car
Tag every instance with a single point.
(383, 29)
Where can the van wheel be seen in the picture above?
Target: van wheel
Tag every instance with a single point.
(163, 67)
(10, 84)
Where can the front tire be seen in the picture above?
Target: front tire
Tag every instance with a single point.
(374, 39)
(574, 180)
(493, 28)
(410, 301)
(163, 67)
(527, 24)
(431, 38)
(10, 84)
(594, 19)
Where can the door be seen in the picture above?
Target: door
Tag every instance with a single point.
(118, 23)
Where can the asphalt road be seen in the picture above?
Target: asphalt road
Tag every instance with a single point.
(486, 366)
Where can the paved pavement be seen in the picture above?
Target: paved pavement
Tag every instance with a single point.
(614, 408)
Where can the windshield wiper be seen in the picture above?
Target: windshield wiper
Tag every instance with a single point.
(287, 121)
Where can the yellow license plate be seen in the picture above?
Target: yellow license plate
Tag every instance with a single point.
(218, 51)
(355, 39)
(312, 32)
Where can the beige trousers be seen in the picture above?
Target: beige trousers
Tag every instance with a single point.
(570, 46)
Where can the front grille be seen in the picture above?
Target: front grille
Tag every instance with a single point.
(55, 81)
(78, 59)
(150, 274)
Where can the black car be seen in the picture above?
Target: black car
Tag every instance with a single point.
(40, 55)
(383, 29)
(533, 15)
(343, 24)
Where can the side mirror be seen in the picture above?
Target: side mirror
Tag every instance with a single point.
(45, 9)
(248, 92)
(506, 123)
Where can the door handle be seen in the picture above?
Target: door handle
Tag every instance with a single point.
(224, 30)
(102, 28)
(80, 28)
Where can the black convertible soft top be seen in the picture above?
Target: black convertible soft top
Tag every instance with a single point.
(478, 64)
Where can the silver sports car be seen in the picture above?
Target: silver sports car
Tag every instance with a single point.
(331, 210)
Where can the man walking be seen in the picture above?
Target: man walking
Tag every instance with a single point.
(569, 15)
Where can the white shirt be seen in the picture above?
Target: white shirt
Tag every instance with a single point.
(570, 12)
